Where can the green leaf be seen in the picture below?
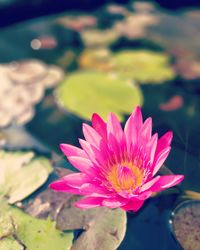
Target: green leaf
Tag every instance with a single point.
(21, 175)
(94, 37)
(104, 228)
(85, 93)
(34, 234)
(143, 66)
(10, 243)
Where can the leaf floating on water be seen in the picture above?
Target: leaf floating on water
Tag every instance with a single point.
(31, 233)
(104, 228)
(47, 203)
(84, 93)
(9, 243)
(24, 83)
(186, 224)
(106, 231)
(143, 66)
(21, 174)
(192, 195)
(94, 37)
(98, 59)
(174, 103)
(188, 69)
(134, 25)
(77, 23)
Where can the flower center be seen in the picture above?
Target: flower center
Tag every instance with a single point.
(125, 177)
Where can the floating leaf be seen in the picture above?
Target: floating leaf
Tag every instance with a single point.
(10, 243)
(98, 59)
(24, 83)
(85, 93)
(77, 23)
(143, 66)
(188, 69)
(105, 232)
(21, 174)
(94, 37)
(47, 203)
(174, 103)
(104, 228)
(186, 224)
(135, 25)
(32, 233)
(189, 194)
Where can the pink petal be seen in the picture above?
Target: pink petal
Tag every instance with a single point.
(99, 125)
(142, 196)
(113, 203)
(160, 159)
(96, 156)
(164, 141)
(151, 146)
(132, 127)
(114, 127)
(149, 184)
(76, 180)
(95, 191)
(61, 186)
(146, 130)
(166, 181)
(89, 202)
(70, 150)
(82, 164)
(91, 135)
(133, 206)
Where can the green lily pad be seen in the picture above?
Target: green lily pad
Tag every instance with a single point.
(10, 243)
(104, 228)
(105, 232)
(94, 37)
(143, 66)
(31, 233)
(98, 59)
(85, 93)
(21, 174)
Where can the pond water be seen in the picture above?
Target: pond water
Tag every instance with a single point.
(161, 63)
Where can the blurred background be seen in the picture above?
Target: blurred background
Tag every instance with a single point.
(61, 61)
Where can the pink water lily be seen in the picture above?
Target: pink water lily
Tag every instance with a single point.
(117, 167)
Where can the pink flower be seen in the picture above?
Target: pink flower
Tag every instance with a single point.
(117, 168)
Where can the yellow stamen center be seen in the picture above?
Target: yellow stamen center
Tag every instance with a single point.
(125, 177)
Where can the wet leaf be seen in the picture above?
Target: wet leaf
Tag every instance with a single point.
(77, 23)
(24, 83)
(191, 195)
(188, 69)
(98, 59)
(21, 174)
(135, 25)
(94, 37)
(174, 103)
(106, 231)
(143, 66)
(186, 224)
(10, 243)
(32, 233)
(47, 204)
(85, 93)
(104, 228)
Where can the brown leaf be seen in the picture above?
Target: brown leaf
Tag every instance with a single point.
(49, 202)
